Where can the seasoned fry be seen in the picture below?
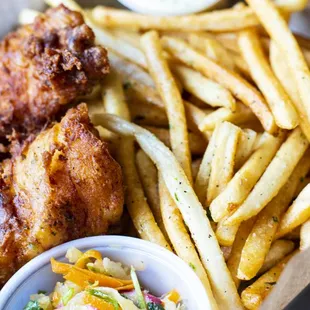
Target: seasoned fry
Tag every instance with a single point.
(170, 94)
(283, 73)
(226, 234)
(297, 214)
(136, 80)
(143, 113)
(253, 295)
(195, 117)
(204, 172)
(291, 5)
(234, 194)
(137, 206)
(113, 97)
(218, 21)
(245, 147)
(195, 217)
(278, 30)
(181, 240)
(278, 250)
(148, 176)
(222, 166)
(259, 241)
(234, 258)
(239, 87)
(240, 115)
(278, 101)
(208, 91)
(197, 143)
(305, 236)
(212, 48)
(279, 169)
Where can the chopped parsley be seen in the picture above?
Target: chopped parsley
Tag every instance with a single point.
(42, 292)
(176, 197)
(192, 266)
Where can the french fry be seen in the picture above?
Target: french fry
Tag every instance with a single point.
(139, 210)
(149, 179)
(113, 97)
(204, 172)
(197, 143)
(294, 234)
(181, 240)
(234, 194)
(235, 255)
(191, 209)
(208, 91)
(297, 214)
(212, 48)
(245, 147)
(195, 167)
(279, 102)
(278, 30)
(143, 113)
(226, 234)
(258, 243)
(279, 169)
(304, 181)
(136, 203)
(137, 82)
(240, 115)
(305, 236)
(253, 295)
(105, 37)
(239, 87)
(283, 73)
(291, 5)
(195, 117)
(222, 166)
(224, 20)
(278, 250)
(132, 37)
(170, 94)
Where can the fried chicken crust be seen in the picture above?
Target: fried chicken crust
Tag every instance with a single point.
(62, 186)
(45, 65)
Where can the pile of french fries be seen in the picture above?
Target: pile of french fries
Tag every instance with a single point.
(219, 105)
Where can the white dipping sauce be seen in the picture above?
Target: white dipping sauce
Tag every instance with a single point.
(168, 7)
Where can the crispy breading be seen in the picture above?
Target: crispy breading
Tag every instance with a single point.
(45, 65)
(62, 186)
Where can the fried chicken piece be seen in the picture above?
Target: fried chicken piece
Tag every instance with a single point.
(62, 186)
(46, 65)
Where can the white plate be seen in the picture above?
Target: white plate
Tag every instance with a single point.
(163, 271)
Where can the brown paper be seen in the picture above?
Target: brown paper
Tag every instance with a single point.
(295, 277)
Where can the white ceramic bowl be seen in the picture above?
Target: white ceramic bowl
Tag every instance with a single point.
(163, 271)
(171, 7)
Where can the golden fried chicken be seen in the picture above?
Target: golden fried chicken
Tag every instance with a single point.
(63, 185)
(46, 65)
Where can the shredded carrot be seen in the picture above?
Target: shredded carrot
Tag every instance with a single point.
(85, 258)
(97, 303)
(173, 296)
(84, 278)
(127, 287)
(60, 268)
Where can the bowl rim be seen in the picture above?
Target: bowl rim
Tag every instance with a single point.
(92, 242)
(145, 7)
